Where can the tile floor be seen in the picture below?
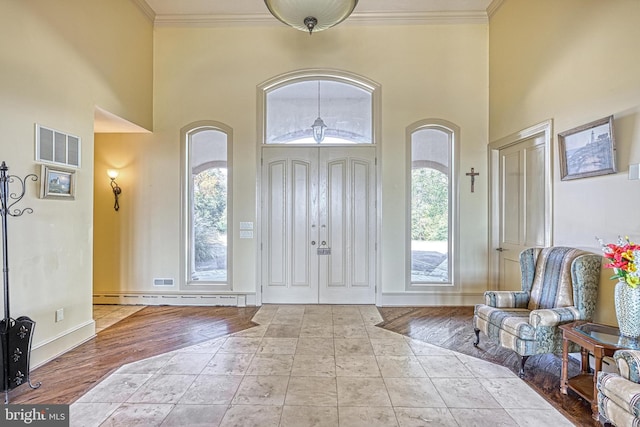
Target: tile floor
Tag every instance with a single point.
(313, 366)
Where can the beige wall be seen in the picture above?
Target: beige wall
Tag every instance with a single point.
(58, 61)
(574, 61)
(428, 71)
(113, 234)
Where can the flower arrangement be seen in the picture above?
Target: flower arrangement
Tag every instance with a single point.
(623, 257)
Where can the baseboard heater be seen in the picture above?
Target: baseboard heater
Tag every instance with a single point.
(233, 300)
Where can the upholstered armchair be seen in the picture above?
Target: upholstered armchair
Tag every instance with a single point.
(559, 285)
(619, 394)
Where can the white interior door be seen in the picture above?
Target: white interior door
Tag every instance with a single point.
(522, 199)
(318, 225)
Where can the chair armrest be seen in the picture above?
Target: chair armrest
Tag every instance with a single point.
(553, 316)
(506, 299)
(628, 362)
(624, 393)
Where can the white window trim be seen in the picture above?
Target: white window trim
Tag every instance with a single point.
(185, 200)
(454, 233)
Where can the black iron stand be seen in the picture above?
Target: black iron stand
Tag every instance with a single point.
(15, 334)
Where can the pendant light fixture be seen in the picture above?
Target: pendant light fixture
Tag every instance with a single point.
(318, 126)
(311, 15)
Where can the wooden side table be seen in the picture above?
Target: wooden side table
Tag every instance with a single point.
(601, 341)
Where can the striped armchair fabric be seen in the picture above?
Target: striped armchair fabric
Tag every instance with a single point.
(559, 285)
(619, 394)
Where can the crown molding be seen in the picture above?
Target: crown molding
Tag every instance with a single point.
(215, 20)
(146, 9)
(421, 18)
(365, 18)
(493, 7)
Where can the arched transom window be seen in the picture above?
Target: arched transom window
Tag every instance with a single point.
(319, 111)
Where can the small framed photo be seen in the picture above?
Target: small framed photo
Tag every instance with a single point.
(588, 150)
(57, 183)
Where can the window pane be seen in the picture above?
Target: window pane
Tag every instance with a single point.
(429, 225)
(430, 204)
(210, 225)
(344, 108)
(430, 146)
(207, 147)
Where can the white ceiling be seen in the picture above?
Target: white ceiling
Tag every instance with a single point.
(106, 122)
(239, 7)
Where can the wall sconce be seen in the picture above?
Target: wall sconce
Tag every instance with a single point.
(113, 174)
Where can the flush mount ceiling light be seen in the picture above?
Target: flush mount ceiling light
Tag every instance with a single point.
(311, 15)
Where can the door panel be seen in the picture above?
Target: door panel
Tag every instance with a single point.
(301, 218)
(277, 223)
(512, 198)
(362, 223)
(336, 222)
(522, 206)
(535, 194)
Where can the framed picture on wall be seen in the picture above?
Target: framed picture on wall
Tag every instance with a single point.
(588, 150)
(57, 183)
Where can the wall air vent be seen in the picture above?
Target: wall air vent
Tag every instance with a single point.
(57, 147)
(162, 282)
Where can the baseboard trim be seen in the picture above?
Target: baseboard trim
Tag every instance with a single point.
(243, 299)
(51, 348)
(232, 299)
(427, 299)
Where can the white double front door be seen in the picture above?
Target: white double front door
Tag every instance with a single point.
(318, 230)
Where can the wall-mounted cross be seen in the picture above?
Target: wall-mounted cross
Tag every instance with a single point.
(473, 175)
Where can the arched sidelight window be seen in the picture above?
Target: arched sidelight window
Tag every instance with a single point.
(432, 204)
(319, 110)
(206, 206)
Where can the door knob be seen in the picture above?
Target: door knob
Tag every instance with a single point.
(313, 243)
(323, 243)
(500, 249)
